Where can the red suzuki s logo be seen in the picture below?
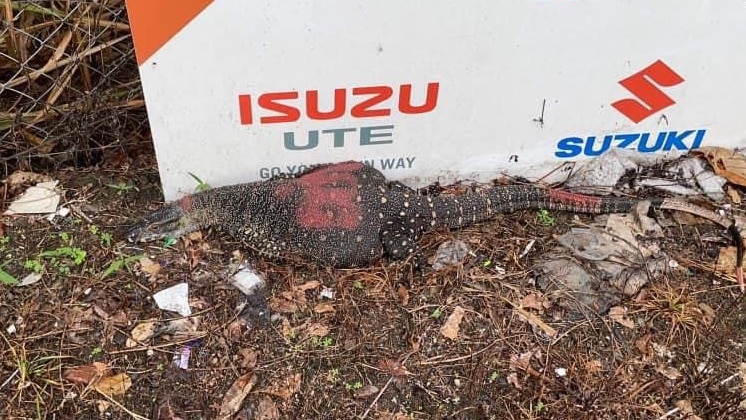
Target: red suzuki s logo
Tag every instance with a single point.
(649, 98)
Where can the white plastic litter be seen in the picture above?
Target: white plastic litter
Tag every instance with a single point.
(30, 279)
(247, 280)
(711, 184)
(175, 298)
(327, 293)
(600, 175)
(41, 198)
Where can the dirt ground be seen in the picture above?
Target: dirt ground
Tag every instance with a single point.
(365, 343)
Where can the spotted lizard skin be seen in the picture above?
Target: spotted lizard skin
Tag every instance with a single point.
(347, 214)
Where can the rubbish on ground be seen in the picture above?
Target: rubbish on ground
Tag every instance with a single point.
(601, 175)
(247, 280)
(326, 293)
(689, 177)
(235, 395)
(450, 253)
(615, 264)
(181, 360)
(254, 309)
(42, 198)
(725, 162)
(527, 248)
(30, 279)
(175, 298)
(708, 181)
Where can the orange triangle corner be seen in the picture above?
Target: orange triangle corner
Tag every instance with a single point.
(154, 22)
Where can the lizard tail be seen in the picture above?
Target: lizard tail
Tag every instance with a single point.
(459, 211)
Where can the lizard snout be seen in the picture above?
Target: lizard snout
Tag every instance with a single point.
(166, 222)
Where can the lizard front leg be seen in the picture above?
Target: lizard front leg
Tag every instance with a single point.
(399, 239)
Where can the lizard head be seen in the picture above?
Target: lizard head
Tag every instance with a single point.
(171, 221)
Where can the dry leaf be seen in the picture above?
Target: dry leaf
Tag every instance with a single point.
(523, 361)
(267, 410)
(512, 379)
(313, 284)
(291, 301)
(119, 318)
(193, 256)
(234, 397)
(195, 236)
(366, 391)
(733, 194)
(726, 262)
(24, 177)
(318, 330)
(166, 411)
(287, 387)
(281, 305)
(686, 218)
(685, 406)
(593, 366)
(149, 267)
(451, 327)
(323, 308)
(669, 372)
(708, 314)
(237, 327)
(617, 314)
(286, 328)
(403, 294)
(393, 367)
(643, 344)
(85, 374)
(533, 301)
(249, 358)
(535, 321)
(114, 385)
(141, 334)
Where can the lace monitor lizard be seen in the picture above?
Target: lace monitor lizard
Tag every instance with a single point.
(347, 214)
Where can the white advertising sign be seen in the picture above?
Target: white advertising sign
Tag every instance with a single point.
(238, 91)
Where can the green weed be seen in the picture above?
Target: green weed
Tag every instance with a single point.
(77, 255)
(122, 187)
(6, 278)
(332, 375)
(117, 263)
(545, 219)
(354, 386)
(201, 185)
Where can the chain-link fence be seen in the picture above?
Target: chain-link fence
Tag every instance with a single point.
(69, 87)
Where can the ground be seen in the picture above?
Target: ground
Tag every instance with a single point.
(378, 348)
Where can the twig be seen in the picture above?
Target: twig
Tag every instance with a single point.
(52, 66)
(375, 400)
(738, 242)
(723, 221)
(118, 404)
(551, 332)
